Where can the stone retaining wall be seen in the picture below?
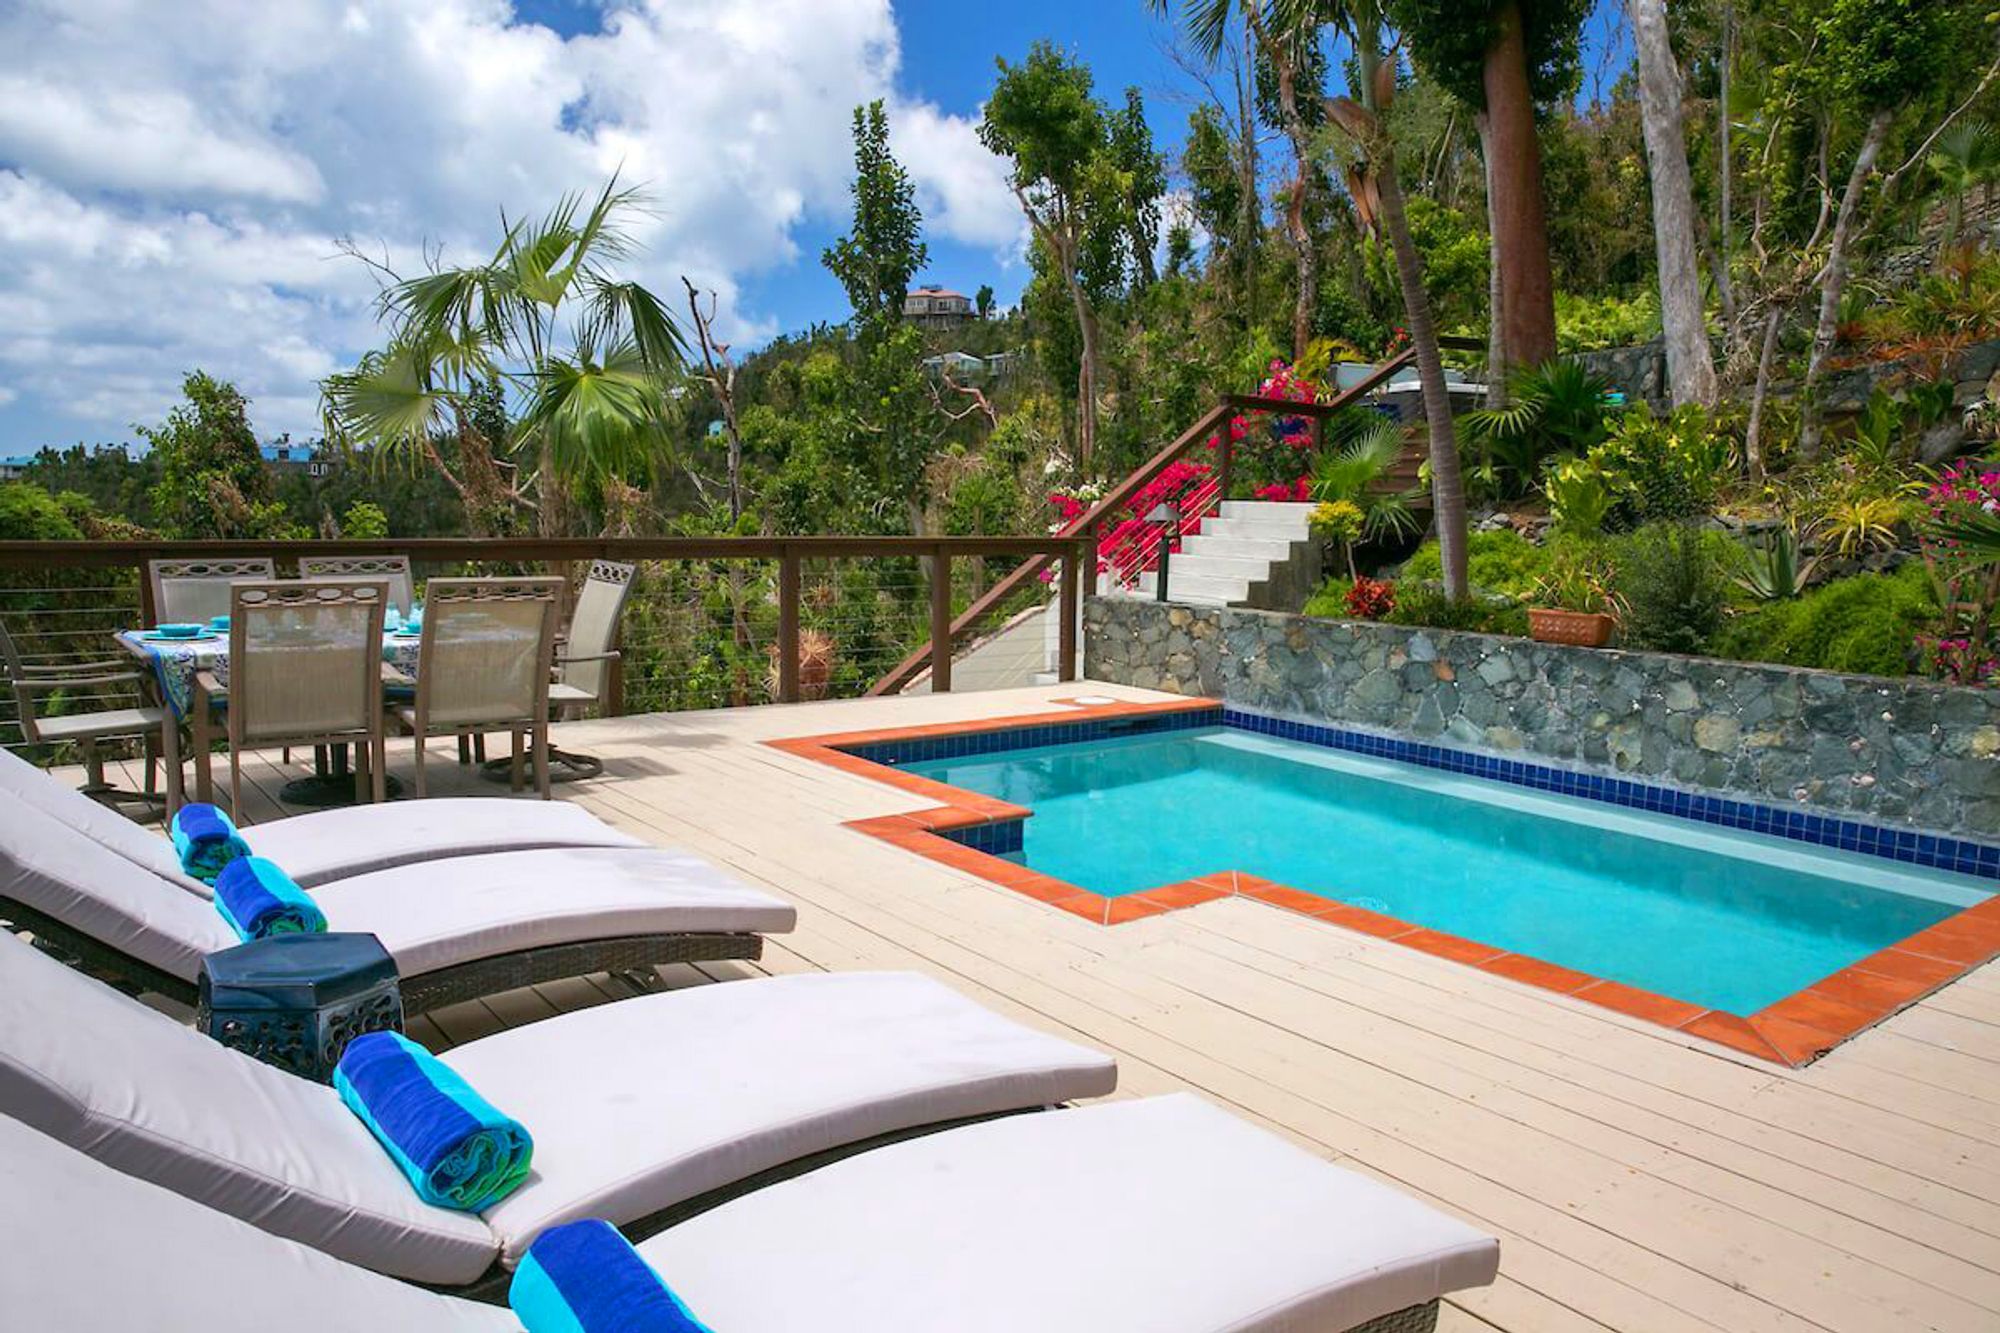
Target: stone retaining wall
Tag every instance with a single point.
(1903, 752)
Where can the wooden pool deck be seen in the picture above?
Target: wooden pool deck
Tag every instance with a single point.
(1639, 1179)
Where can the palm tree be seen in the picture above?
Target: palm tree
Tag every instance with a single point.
(591, 359)
(1296, 22)
(1364, 122)
(1966, 156)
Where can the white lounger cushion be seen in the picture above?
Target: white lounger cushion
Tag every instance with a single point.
(136, 1090)
(84, 1249)
(445, 912)
(705, 1087)
(634, 1107)
(333, 844)
(337, 844)
(64, 874)
(1158, 1216)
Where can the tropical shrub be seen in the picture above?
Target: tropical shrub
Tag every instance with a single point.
(1424, 603)
(1371, 599)
(1772, 567)
(1865, 624)
(1663, 468)
(1351, 470)
(1581, 496)
(1502, 562)
(1555, 408)
(1675, 586)
(1588, 323)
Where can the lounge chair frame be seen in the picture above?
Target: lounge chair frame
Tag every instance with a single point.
(424, 991)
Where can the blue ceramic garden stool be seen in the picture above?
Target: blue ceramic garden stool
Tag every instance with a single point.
(295, 1001)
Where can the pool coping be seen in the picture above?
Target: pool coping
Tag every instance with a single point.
(965, 830)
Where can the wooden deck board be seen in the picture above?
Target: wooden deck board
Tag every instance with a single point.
(1639, 1179)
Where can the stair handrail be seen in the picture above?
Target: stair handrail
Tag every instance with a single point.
(1214, 420)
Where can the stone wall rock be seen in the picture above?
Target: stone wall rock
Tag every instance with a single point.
(1900, 752)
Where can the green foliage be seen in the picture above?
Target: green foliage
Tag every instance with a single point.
(884, 249)
(1552, 409)
(1208, 159)
(1424, 603)
(1581, 496)
(1675, 584)
(1864, 624)
(1588, 323)
(1455, 253)
(1450, 39)
(1664, 468)
(1502, 563)
(1582, 576)
(1878, 53)
(1352, 473)
(30, 514)
(364, 521)
(212, 478)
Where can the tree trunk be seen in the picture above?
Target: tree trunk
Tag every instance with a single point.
(1515, 212)
(1447, 488)
(1307, 303)
(1753, 435)
(1690, 364)
(1833, 280)
(1086, 370)
(1725, 284)
(1249, 209)
(1496, 340)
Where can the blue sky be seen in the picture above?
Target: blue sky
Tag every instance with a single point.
(178, 183)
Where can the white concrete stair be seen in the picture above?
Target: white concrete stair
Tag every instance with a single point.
(1250, 553)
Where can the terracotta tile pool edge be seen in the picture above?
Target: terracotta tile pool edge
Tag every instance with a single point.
(1792, 1032)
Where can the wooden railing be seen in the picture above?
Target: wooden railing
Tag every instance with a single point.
(43, 572)
(1085, 527)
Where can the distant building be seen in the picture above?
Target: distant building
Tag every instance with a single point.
(295, 458)
(16, 467)
(961, 365)
(937, 308)
(1003, 364)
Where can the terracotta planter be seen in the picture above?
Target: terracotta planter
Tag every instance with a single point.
(1582, 629)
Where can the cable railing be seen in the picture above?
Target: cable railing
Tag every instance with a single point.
(710, 622)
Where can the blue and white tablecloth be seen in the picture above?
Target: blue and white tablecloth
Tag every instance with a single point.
(175, 662)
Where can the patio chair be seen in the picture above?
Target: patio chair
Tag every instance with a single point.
(305, 668)
(191, 591)
(641, 1111)
(393, 568)
(153, 726)
(583, 663)
(337, 844)
(458, 929)
(1253, 1236)
(483, 665)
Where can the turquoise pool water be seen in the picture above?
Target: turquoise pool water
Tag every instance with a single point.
(1728, 920)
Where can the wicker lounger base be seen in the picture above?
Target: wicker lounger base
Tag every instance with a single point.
(425, 991)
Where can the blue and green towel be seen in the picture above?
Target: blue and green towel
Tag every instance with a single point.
(206, 840)
(586, 1278)
(259, 900)
(457, 1150)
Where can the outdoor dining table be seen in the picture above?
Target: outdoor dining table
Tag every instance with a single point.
(175, 662)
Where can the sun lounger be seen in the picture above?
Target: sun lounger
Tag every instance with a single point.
(336, 844)
(641, 1111)
(1156, 1216)
(458, 929)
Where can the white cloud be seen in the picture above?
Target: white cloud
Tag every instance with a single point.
(178, 177)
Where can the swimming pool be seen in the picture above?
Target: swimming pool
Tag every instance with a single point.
(1719, 918)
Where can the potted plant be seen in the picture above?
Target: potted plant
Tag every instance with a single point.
(1576, 603)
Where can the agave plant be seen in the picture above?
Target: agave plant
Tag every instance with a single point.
(1772, 569)
(590, 358)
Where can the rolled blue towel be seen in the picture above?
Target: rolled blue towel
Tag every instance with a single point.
(206, 840)
(584, 1277)
(257, 900)
(456, 1149)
